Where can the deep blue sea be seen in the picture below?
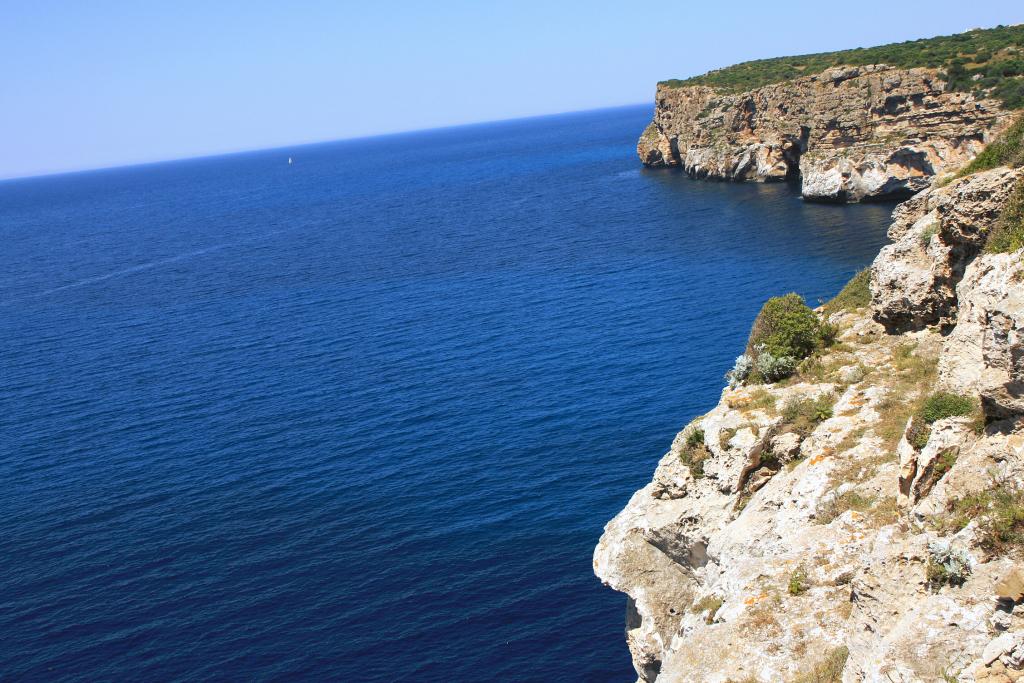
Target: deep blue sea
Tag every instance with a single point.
(363, 417)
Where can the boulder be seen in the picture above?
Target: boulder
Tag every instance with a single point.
(1011, 586)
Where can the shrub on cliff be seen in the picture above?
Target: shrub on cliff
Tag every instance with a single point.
(786, 326)
(944, 404)
(741, 370)
(784, 332)
(947, 565)
(772, 368)
(938, 406)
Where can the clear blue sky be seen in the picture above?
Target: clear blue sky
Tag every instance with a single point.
(101, 83)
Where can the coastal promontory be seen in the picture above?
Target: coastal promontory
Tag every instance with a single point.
(849, 126)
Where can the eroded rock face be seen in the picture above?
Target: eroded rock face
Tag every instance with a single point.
(849, 133)
(936, 235)
(921, 469)
(984, 354)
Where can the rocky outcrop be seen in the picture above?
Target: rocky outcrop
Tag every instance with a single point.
(936, 235)
(850, 133)
(778, 546)
(984, 354)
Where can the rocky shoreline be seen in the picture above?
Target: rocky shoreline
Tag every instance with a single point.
(849, 134)
(836, 525)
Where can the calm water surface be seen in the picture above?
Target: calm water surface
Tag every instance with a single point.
(362, 418)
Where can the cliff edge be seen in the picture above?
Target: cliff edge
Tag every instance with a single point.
(860, 518)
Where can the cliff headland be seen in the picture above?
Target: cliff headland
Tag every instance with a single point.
(852, 125)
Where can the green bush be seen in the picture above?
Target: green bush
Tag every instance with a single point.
(786, 328)
(985, 50)
(944, 404)
(855, 294)
(694, 451)
(939, 405)
(1008, 233)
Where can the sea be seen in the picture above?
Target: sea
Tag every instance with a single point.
(363, 416)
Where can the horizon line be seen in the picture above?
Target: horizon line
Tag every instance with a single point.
(308, 143)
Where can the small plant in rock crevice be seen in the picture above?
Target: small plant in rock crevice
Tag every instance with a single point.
(947, 565)
(836, 505)
(694, 451)
(709, 604)
(944, 462)
(999, 512)
(802, 415)
(918, 432)
(829, 669)
(798, 582)
(927, 234)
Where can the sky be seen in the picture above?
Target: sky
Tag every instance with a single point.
(106, 83)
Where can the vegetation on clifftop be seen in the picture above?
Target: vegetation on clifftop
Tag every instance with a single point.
(1008, 232)
(981, 61)
(855, 294)
(1006, 150)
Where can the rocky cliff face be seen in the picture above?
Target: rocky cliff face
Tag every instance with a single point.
(829, 534)
(850, 133)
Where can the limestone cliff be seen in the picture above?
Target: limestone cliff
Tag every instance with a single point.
(849, 133)
(832, 529)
